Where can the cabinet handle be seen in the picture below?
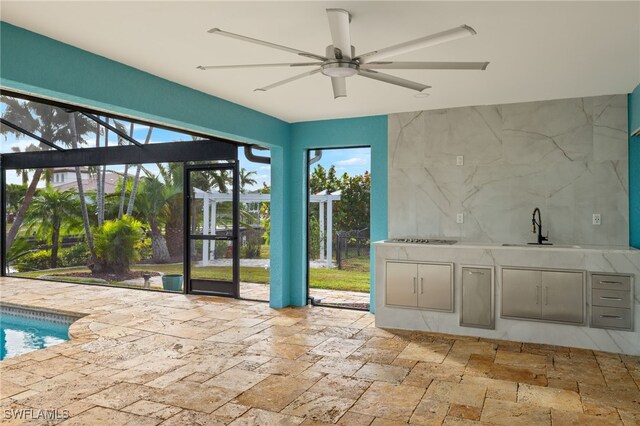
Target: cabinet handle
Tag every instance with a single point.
(610, 282)
(537, 295)
(611, 316)
(414, 285)
(546, 295)
(421, 285)
(476, 272)
(610, 298)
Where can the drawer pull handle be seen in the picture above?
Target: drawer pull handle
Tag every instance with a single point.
(611, 316)
(476, 272)
(610, 298)
(546, 295)
(610, 282)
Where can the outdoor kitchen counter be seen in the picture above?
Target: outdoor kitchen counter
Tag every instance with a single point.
(601, 259)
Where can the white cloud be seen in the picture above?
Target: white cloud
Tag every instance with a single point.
(353, 161)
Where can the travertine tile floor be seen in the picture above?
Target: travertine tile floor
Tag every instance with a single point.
(144, 358)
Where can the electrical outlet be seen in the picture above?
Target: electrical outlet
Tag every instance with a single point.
(597, 220)
(460, 160)
(460, 218)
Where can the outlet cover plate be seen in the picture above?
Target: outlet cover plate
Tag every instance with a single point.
(597, 219)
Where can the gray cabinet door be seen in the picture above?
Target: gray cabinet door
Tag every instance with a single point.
(402, 284)
(477, 298)
(521, 293)
(435, 287)
(563, 296)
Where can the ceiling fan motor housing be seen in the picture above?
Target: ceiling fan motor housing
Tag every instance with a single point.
(341, 66)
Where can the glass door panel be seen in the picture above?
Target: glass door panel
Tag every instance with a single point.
(213, 230)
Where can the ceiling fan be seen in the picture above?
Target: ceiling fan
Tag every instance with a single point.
(340, 60)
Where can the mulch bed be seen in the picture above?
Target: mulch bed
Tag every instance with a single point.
(132, 275)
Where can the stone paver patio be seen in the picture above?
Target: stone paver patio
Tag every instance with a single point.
(146, 358)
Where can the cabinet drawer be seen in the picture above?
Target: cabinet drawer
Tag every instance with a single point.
(604, 317)
(611, 282)
(610, 298)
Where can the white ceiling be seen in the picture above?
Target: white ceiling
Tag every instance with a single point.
(538, 50)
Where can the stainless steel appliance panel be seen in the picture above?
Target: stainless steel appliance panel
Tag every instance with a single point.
(477, 308)
(435, 287)
(402, 284)
(563, 296)
(610, 298)
(605, 317)
(521, 293)
(611, 282)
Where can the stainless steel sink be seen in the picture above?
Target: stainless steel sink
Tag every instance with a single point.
(540, 245)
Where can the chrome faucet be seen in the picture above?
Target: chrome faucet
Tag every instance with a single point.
(538, 225)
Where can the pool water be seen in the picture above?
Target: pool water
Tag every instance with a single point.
(19, 335)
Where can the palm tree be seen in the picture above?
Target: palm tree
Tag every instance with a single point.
(136, 179)
(50, 213)
(220, 179)
(50, 123)
(152, 199)
(125, 176)
(24, 173)
(172, 175)
(246, 179)
(83, 201)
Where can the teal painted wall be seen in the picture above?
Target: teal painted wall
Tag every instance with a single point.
(40, 65)
(34, 64)
(634, 169)
(634, 110)
(37, 65)
(344, 133)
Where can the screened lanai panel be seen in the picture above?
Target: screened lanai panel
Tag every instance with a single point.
(134, 217)
(67, 129)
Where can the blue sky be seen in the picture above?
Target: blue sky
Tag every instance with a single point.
(353, 161)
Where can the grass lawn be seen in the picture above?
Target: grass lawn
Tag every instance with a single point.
(346, 279)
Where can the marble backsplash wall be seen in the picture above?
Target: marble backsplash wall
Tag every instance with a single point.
(568, 157)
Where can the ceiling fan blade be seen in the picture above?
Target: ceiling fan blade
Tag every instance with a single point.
(340, 33)
(295, 64)
(218, 31)
(425, 66)
(288, 80)
(339, 87)
(391, 79)
(420, 43)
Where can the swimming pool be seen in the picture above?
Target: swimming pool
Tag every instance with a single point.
(23, 331)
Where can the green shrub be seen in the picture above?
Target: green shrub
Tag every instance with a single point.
(20, 247)
(221, 249)
(250, 240)
(78, 255)
(314, 238)
(34, 261)
(116, 244)
(145, 250)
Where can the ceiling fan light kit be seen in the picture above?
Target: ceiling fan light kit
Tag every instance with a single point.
(340, 60)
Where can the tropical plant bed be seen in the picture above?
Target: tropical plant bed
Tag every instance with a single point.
(131, 275)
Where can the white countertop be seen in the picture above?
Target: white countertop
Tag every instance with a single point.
(513, 246)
